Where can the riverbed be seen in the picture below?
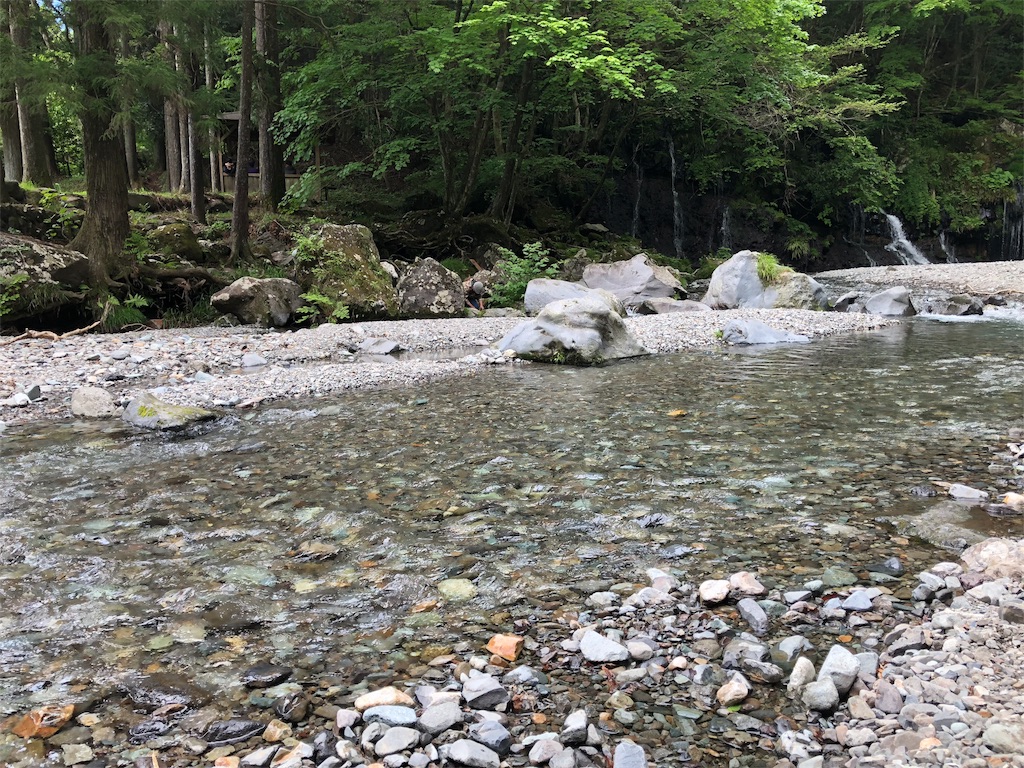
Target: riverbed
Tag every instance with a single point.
(316, 534)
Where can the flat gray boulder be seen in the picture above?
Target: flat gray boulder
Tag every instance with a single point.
(634, 281)
(751, 332)
(149, 412)
(960, 305)
(429, 289)
(661, 306)
(893, 302)
(270, 301)
(542, 291)
(574, 331)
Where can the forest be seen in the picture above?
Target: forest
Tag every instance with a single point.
(687, 127)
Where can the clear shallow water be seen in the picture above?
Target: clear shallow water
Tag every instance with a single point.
(314, 537)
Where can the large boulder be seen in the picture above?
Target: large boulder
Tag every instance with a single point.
(178, 240)
(349, 272)
(428, 289)
(582, 331)
(149, 412)
(735, 284)
(996, 558)
(542, 291)
(270, 301)
(795, 290)
(36, 277)
(893, 302)
(633, 281)
(749, 332)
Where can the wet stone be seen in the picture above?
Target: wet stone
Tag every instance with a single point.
(265, 675)
(260, 758)
(492, 735)
(75, 754)
(162, 690)
(484, 692)
(629, 755)
(438, 718)
(391, 716)
(397, 740)
(470, 754)
(543, 750)
(754, 615)
(838, 577)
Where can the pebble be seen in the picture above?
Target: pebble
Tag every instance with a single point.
(601, 650)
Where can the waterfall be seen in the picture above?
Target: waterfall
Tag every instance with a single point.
(1013, 227)
(947, 247)
(905, 250)
(639, 171)
(677, 207)
(867, 255)
(726, 230)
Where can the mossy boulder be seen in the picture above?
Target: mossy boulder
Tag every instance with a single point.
(149, 412)
(178, 240)
(349, 272)
(36, 277)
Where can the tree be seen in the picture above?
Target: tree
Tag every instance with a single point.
(31, 105)
(240, 210)
(271, 153)
(105, 226)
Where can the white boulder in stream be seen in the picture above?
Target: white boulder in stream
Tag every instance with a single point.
(575, 331)
(149, 412)
(893, 302)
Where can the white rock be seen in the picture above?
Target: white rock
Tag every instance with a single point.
(599, 649)
(713, 591)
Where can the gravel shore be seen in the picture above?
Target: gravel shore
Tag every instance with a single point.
(204, 366)
(207, 366)
(989, 278)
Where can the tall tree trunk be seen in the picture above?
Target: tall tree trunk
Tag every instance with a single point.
(131, 155)
(197, 193)
(12, 137)
(105, 226)
(240, 211)
(172, 132)
(208, 71)
(35, 166)
(514, 147)
(271, 154)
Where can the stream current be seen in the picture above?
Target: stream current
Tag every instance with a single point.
(316, 533)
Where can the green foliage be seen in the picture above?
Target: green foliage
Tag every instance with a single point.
(769, 268)
(460, 267)
(121, 314)
(11, 292)
(138, 245)
(321, 308)
(519, 270)
(198, 314)
(711, 262)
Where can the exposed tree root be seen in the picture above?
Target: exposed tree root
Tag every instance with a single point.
(184, 273)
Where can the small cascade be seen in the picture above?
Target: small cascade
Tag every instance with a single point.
(947, 248)
(726, 230)
(905, 251)
(1013, 227)
(869, 257)
(677, 207)
(639, 175)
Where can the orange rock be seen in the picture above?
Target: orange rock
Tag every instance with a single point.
(507, 647)
(930, 743)
(44, 722)
(539, 718)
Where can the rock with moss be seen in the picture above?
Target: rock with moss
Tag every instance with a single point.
(635, 280)
(583, 331)
(428, 289)
(177, 240)
(149, 412)
(347, 269)
(270, 302)
(795, 290)
(752, 280)
(37, 277)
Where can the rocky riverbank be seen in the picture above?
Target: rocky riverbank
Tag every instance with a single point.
(991, 278)
(873, 667)
(244, 367)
